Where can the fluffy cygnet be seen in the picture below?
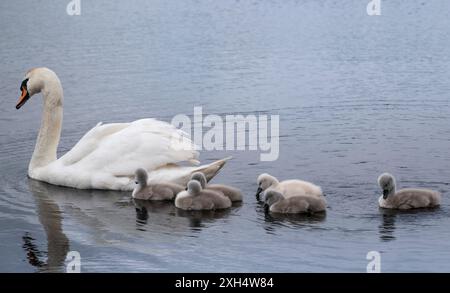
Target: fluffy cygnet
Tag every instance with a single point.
(154, 191)
(404, 199)
(232, 193)
(194, 198)
(275, 202)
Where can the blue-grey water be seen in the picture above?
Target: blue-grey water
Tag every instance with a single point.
(357, 95)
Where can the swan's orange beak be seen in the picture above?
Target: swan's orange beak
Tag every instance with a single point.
(23, 98)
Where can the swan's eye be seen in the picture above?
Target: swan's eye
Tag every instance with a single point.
(24, 84)
(137, 182)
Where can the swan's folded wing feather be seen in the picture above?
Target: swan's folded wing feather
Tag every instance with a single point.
(90, 141)
(146, 143)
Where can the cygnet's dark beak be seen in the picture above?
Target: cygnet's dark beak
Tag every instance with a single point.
(258, 192)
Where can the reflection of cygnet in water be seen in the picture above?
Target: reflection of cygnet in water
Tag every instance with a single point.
(405, 198)
(194, 198)
(288, 188)
(154, 191)
(232, 193)
(275, 202)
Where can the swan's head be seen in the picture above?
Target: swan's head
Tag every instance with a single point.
(141, 177)
(271, 197)
(194, 187)
(264, 181)
(387, 184)
(200, 177)
(36, 80)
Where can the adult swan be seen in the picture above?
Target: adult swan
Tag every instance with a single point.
(107, 156)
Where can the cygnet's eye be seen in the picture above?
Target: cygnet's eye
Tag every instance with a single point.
(137, 182)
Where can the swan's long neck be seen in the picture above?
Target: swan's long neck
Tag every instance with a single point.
(49, 134)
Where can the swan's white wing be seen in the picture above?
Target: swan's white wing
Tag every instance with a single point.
(90, 141)
(119, 149)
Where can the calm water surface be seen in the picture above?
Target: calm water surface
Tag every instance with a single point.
(356, 95)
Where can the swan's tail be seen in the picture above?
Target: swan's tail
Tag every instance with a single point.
(212, 169)
(182, 175)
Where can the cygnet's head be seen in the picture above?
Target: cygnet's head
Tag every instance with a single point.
(194, 187)
(387, 184)
(264, 181)
(271, 197)
(141, 177)
(200, 177)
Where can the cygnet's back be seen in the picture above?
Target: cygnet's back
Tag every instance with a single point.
(154, 191)
(415, 198)
(277, 203)
(232, 193)
(197, 199)
(295, 187)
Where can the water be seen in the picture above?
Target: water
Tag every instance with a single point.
(356, 95)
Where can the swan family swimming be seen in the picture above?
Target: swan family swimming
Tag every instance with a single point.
(144, 157)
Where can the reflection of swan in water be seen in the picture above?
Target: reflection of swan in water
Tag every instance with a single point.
(153, 212)
(99, 219)
(57, 243)
(91, 215)
(387, 226)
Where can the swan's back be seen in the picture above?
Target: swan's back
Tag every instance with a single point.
(124, 147)
(108, 155)
(415, 198)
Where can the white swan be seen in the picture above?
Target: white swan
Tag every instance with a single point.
(405, 199)
(287, 188)
(232, 193)
(107, 155)
(275, 202)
